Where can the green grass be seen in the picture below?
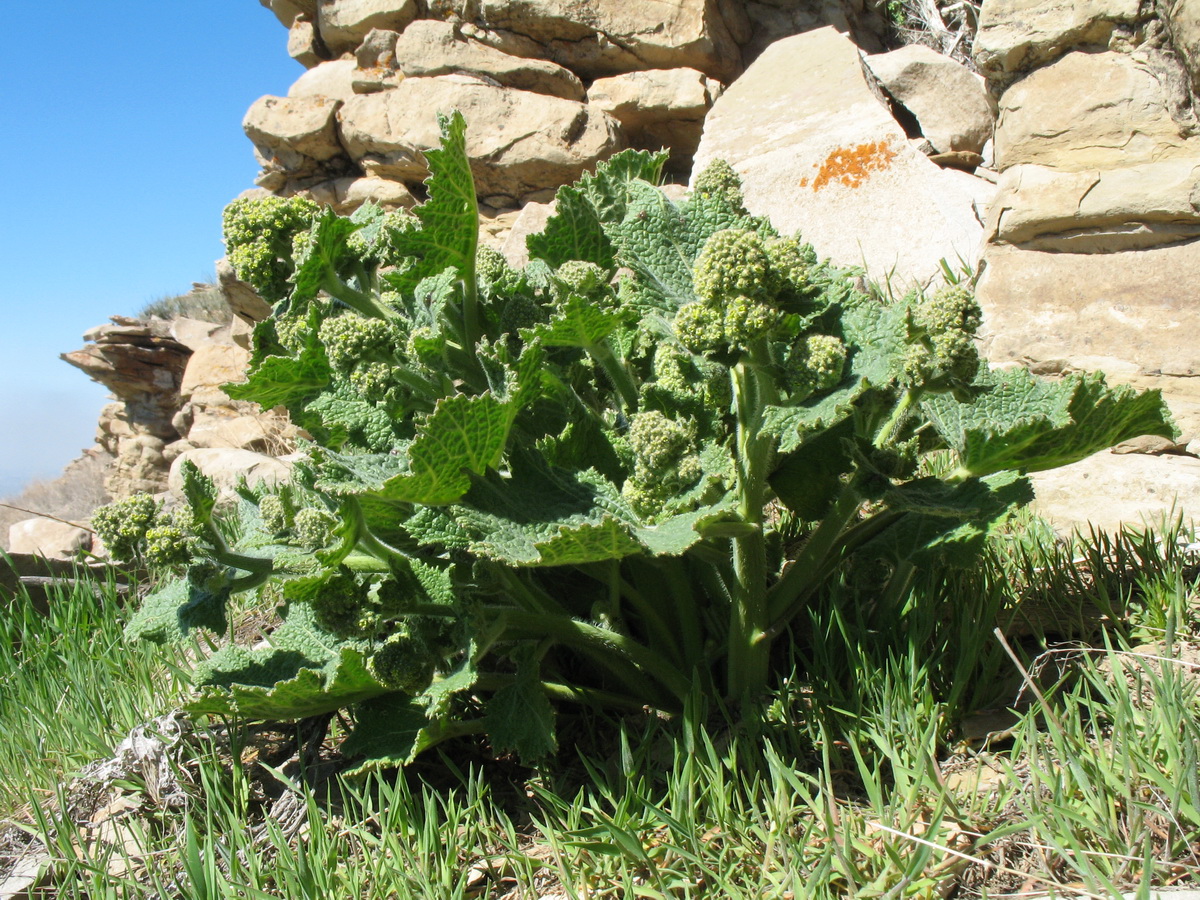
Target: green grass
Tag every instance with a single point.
(857, 784)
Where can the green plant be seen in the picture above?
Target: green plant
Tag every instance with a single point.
(626, 499)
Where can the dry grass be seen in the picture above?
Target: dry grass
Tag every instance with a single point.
(71, 497)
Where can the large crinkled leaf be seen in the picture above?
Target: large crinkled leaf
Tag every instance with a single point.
(793, 425)
(576, 230)
(573, 232)
(540, 516)
(389, 732)
(461, 436)
(877, 334)
(170, 612)
(948, 524)
(285, 380)
(1018, 421)
(520, 717)
(449, 232)
(809, 479)
(353, 473)
(579, 324)
(438, 695)
(199, 490)
(342, 681)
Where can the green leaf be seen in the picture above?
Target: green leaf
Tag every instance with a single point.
(284, 380)
(320, 255)
(389, 731)
(343, 680)
(449, 232)
(1017, 421)
(438, 695)
(461, 436)
(587, 542)
(199, 490)
(157, 620)
(808, 480)
(573, 232)
(794, 425)
(877, 334)
(578, 324)
(520, 717)
(576, 230)
(948, 524)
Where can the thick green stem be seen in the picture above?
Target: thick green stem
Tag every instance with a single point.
(602, 644)
(749, 653)
(617, 373)
(358, 301)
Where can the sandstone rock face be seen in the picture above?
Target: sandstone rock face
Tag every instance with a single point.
(1183, 20)
(595, 38)
(428, 48)
(304, 43)
(1106, 490)
(1098, 210)
(658, 108)
(344, 23)
(518, 141)
(295, 134)
(333, 80)
(818, 152)
(1017, 35)
(948, 100)
(48, 538)
(1088, 110)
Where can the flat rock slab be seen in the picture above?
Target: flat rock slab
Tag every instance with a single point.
(1108, 490)
(818, 151)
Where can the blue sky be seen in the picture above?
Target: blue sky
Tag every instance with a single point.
(122, 142)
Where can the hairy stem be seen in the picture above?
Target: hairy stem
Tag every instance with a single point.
(617, 373)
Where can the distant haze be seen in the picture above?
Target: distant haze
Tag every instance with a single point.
(44, 430)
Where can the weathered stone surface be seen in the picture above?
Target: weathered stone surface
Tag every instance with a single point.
(48, 538)
(1183, 20)
(211, 366)
(304, 43)
(343, 24)
(1098, 210)
(1108, 489)
(378, 49)
(818, 152)
(226, 466)
(518, 141)
(294, 134)
(242, 299)
(287, 10)
(193, 333)
(333, 79)
(658, 107)
(949, 100)
(594, 38)
(767, 21)
(1087, 111)
(1098, 310)
(385, 192)
(532, 220)
(1017, 35)
(428, 48)
(242, 432)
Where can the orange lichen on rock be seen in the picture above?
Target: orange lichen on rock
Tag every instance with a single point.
(851, 166)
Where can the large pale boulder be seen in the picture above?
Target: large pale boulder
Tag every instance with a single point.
(227, 467)
(333, 80)
(304, 43)
(594, 38)
(1087, 111)
(949, 101)
(518, 141)
(293, 133)
(819, 152)
(286, 11)
(48, 538)
(343, 24)
(428, 48)
(1098, 210)
(1018, 35)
